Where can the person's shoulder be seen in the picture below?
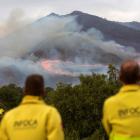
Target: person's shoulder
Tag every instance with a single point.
(53, 112)
(10, 112)
(51, 108)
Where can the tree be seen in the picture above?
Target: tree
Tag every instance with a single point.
(10, 96)
(81, 105)
(48, 89)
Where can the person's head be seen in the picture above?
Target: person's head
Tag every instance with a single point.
(129, 73)
(34, 85)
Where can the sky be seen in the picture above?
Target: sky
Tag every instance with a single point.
(116, 10)
(14, 14)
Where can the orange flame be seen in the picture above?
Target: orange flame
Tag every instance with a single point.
(47, 65)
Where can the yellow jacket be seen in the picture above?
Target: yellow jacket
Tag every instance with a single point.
(1, 111)
(32, 120)
(121, 114)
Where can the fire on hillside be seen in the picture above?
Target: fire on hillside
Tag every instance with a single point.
(66, 67)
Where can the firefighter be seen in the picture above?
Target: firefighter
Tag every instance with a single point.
(32, 119)
(1, 111)
(121, 112)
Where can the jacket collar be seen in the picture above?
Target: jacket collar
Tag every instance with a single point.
(127, 88)
(28, 99)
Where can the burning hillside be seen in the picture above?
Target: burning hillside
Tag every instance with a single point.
(58, 48)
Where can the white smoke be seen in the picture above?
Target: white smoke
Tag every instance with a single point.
(15, 21)
(20, 42)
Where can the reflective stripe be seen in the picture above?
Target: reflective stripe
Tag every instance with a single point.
(113, 137)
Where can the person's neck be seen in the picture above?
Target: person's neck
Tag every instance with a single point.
(124, 84)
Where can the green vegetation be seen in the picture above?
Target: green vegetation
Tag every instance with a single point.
(10, 96)
(80, 106)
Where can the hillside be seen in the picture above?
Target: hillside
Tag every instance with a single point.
(69, 51)
(11, 74)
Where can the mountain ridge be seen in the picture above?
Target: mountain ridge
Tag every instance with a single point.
(111, 30)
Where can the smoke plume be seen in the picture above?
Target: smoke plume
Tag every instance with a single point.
(15, 21)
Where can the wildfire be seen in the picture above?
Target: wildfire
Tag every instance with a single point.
(51, 66)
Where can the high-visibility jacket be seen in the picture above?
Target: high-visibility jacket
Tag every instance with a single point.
(1, 111)
(32, 120)
(121, 114)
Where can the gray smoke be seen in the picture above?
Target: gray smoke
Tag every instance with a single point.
(112, 47)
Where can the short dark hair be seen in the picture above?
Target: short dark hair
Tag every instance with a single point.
(34, 85)
(129, 73)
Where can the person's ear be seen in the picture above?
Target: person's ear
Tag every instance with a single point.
(24, 91)
(43, 93)
(119, 77)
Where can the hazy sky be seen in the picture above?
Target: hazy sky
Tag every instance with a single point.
(118, 10)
